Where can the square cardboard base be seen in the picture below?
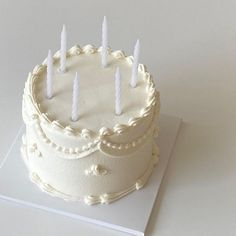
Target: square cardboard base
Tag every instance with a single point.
(129, 214)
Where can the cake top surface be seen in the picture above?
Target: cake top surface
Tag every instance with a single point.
(96, 90)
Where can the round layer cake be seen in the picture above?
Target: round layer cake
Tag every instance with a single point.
(101, 156)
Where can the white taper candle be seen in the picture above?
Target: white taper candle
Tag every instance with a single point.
(133, 81)
(75, 98)
(63, 49)
(118, 92)
(49, 74)
(104, 51)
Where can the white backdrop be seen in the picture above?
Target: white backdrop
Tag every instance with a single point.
(190, 47)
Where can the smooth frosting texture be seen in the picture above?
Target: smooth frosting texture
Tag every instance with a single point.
(96, 93)
(101, 157)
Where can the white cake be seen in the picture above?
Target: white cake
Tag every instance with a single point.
(102, 156)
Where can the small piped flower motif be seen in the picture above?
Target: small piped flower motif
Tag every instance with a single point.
(34, 149)
(104, 198)
(68, 130)
(96, 170)
(87, 134)
(139, 184)
(105, 131)
(76, 50)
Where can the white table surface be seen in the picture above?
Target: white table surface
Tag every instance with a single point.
(190, 47)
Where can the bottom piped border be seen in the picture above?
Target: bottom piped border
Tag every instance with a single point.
(105, 198)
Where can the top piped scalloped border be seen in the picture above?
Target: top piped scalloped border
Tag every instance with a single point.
(152, 98)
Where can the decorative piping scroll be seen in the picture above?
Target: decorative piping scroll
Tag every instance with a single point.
(94, 145)
(75, 153)
(134, 143)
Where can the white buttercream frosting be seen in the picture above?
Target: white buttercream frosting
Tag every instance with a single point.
(101, 156)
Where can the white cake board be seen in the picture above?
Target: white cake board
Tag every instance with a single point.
(129, 214)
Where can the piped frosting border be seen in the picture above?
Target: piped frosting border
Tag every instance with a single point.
(152, 98)
(104, 198)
